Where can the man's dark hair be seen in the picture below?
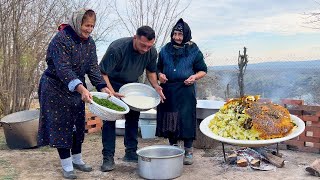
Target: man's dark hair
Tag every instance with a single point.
(147, 32)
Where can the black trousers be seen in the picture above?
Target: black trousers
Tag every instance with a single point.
(131, 129)
(64, 153)
(130, 137)
(187, 142)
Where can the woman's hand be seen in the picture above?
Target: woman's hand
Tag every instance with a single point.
(162, 78)
(85, 94)
(191, 80)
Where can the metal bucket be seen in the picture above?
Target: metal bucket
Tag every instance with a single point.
(160, 162)
(21, 129)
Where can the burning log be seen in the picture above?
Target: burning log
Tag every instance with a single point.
(242, 162)
(232, 158)
(255, 162)
(314, 168)
(256, 158)
(275, 160)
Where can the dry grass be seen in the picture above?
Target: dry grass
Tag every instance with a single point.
(10, 172)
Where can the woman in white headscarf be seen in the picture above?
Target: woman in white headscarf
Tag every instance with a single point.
(62, 91)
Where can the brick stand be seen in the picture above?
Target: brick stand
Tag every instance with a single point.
(309, 140)
(93, 123)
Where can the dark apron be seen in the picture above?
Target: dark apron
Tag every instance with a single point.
(177, 115)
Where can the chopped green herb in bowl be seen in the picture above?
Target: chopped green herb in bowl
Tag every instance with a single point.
(108, 104)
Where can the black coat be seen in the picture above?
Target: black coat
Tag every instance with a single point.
(68, 58)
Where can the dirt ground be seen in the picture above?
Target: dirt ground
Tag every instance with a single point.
(43, 163)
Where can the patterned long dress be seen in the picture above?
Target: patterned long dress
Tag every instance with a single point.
(61, 111)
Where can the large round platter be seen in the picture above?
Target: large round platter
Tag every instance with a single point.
(204, 128)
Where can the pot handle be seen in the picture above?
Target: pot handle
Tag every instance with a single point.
(8, 125)
(146, 159)
(177, 145)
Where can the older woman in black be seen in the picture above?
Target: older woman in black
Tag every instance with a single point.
(62, 91)
(180, 65)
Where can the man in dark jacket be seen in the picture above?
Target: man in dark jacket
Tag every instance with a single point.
(125, 60)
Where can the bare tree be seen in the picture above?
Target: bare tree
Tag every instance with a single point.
(227, 92)
(313, 18)
(104, 25)
(158, 14)
(26, 27)
(24, 31)
(242, 64)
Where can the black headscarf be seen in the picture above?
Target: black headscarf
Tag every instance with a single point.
(183, 27)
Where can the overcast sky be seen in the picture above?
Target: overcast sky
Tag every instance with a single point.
(272, 30)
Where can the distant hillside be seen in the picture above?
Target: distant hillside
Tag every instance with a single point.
(278, 65)
(274, 80)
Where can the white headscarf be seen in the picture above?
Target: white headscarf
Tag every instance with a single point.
(75, 20)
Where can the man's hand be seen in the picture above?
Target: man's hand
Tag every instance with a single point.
(118, 95)
(106, 90)
(115, 94)
(162, 78)
(159, 91)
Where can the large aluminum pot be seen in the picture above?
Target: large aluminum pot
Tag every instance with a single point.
(160, 162)
(206, 108)
(21, 129)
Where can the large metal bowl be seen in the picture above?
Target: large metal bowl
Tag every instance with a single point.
(206, 108)
(139, 89)
(21, 129)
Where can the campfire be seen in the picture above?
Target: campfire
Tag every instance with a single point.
(256, 158)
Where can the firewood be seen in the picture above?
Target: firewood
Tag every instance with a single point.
(316, 165)
(314, 168)
(275, 160)
(275, 153)
(255, 162)
(232, 158)
(242, 162)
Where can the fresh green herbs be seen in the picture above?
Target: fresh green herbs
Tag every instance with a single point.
(108, 104)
